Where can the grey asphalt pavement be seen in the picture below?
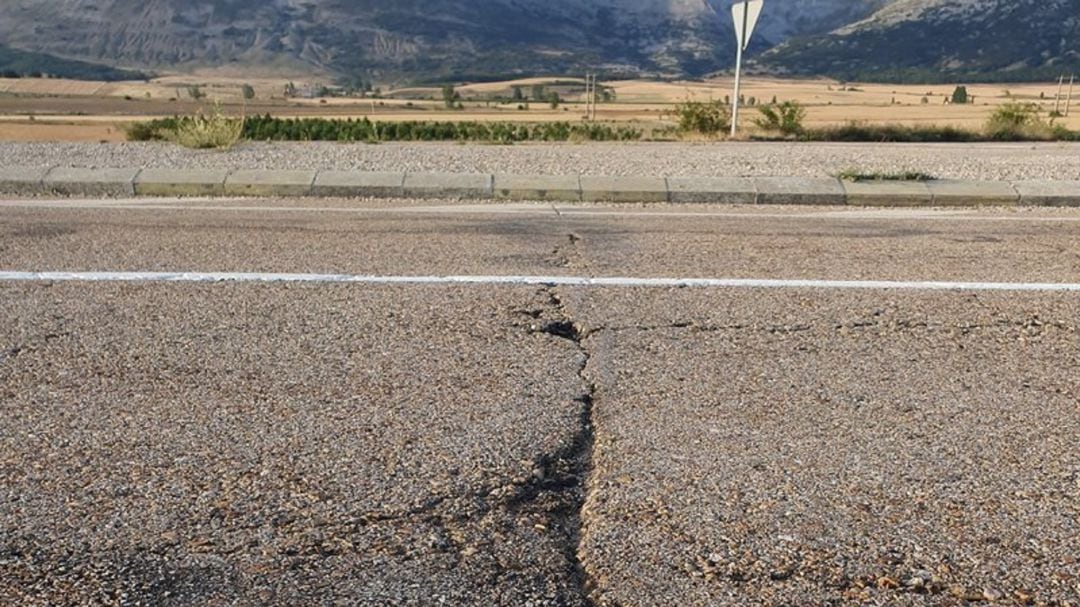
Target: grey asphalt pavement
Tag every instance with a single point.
(277, 444)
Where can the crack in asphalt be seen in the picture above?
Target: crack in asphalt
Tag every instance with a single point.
(568, 470)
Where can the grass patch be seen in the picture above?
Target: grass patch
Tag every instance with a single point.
(856, 175)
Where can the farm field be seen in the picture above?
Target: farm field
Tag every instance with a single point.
(65, 110)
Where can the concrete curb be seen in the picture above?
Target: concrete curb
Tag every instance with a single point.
(126, 182)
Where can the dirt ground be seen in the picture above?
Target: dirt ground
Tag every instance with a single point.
(67, 110)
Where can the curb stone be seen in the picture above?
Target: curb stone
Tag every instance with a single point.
(715, 190)
(448, 185)
(949, 192)
(174, 182)
(270, 183)
(888, 193)
(1048, 193)
(800, 190)
(558, 188)
(624, 189)
(91, 182)
(127, 182)
(356, 184)
(23, 181)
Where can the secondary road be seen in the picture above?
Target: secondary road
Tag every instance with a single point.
(510, 441)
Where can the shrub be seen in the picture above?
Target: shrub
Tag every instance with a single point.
(704, 118)
(1017, 121)
(248, 92)
(207, 131)
(785, 118)
(960, 95)
(146, 131)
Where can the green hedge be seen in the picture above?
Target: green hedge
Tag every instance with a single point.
(268, 128)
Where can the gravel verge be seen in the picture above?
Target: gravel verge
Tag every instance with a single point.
(944, 161)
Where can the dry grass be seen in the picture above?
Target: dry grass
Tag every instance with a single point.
(643, 103)
(27, 131)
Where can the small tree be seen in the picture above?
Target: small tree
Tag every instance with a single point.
(554, 99)
(450, 96)
(517, 95)
(538, 92)
(960, 95)
(786, 118)
(248, 92)
(195, 92)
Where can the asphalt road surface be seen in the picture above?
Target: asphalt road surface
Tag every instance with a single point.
(429, 404)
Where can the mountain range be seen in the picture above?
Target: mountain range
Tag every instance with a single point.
(434, 40)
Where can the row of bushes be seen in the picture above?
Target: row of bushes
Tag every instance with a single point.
(268, 128)
(1009, 122)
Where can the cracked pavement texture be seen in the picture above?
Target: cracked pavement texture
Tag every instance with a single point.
(342, 444)
(800, 447)
(231, 444)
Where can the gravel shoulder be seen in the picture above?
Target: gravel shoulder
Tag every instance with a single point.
(1009, 161)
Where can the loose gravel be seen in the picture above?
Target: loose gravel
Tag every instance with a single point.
(945, 161)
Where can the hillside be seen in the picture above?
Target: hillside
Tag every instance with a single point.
(19, 64)
(943, 40)
(410, 39)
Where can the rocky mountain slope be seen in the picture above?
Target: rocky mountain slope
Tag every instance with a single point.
(424, 39)
(473, 39)
(946, 40)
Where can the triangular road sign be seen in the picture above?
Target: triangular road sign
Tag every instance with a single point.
(746, 14)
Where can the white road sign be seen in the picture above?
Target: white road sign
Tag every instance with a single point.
(746, 13)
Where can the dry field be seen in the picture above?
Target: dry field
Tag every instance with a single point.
(95, 111)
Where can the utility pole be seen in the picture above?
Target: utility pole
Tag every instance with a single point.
(588, 98)
(1068, 100)
(595, 97)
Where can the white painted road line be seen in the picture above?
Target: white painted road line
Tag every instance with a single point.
(568, 281)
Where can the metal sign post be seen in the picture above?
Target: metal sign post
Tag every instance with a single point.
(745, 13)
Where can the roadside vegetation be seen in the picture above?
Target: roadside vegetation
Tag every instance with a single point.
(218, 129)
(692, 120)
(212, 130)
